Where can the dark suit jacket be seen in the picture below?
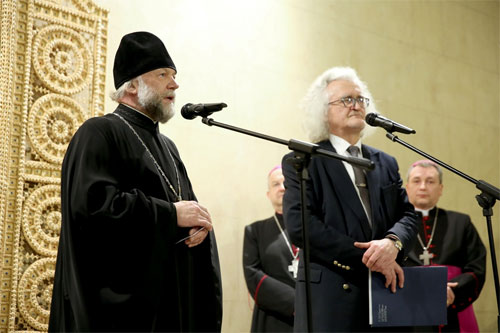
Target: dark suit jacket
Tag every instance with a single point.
(339, 279)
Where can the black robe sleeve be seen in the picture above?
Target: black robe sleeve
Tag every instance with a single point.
(111, 230)
(118, 266)
(471, 281)
(100, 190)
(269, 293)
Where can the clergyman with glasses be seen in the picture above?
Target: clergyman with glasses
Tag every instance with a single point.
(358, 220)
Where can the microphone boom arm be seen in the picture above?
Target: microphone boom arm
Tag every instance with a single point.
(492, 190)
(296, 145)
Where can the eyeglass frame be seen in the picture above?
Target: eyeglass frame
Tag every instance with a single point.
(364, 102)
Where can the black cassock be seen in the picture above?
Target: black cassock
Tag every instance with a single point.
(456, 243)
(118, 267)
(266, 258)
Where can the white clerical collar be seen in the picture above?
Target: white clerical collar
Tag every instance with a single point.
(140, 112)
(425, 212)
(341, 144)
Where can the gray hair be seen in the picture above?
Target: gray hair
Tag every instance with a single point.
(425, 164)
(118, 93)
(315, 102)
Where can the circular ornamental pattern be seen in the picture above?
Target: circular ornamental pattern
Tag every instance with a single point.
(61, 59)
(42, 219)
(35, 293)
(53, 120)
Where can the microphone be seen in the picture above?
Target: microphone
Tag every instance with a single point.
(374, 119)
(191, 111)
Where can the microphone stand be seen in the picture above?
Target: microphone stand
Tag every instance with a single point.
(486, 199)
(302, 156)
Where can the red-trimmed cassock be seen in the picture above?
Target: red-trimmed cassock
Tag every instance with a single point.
(457, 245)
(266, 257)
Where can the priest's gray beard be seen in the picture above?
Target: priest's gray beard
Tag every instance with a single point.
(151, 101)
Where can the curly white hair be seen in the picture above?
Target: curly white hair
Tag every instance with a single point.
(315, 102)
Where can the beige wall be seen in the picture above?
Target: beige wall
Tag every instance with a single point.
(432, 65)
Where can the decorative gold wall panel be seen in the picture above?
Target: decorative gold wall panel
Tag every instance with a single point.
(52, 75)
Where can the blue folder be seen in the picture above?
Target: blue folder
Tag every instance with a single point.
(421, 302)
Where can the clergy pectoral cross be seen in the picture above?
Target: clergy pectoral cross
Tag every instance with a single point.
(294, 267)
(426, 256)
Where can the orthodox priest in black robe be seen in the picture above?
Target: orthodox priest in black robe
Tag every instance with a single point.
(446, 238)
(135, 251)
(269, 263)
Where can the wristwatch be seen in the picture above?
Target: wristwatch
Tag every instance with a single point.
(397, 242)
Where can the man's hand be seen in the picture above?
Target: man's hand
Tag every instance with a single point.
(450, 295)
(198, 235)
(394, 275)
(380, 256)
(192, 214)
(379, 253)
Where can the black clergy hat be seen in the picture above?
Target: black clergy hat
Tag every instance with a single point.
(138, 53)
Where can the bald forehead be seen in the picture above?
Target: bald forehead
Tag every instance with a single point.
(273, 175)
(419, 169)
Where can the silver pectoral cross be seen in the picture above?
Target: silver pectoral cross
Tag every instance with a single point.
(294, 267)
(426, 256)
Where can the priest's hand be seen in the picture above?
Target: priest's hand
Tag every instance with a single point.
(197, 236)
(450, 295)
(192, 214)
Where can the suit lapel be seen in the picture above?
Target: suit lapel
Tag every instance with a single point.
(344, 188)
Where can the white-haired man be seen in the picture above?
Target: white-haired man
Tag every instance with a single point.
(357, 220)
(446, 238)
(135, 252)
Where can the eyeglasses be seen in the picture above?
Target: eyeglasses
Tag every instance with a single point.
(350, 101)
